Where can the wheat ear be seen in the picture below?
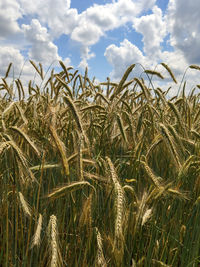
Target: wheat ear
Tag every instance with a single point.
(146, 216)
(53, 239)
(36, 237)
(150, 174)
(100, 257)
(120, 87)
(169, 141)
(169, 71)
(24, 204)
(152, 72)
(119, 200)
(61, 149)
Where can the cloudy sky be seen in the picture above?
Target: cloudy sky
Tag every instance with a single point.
(107, 36)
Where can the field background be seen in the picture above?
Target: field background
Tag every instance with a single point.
(99, 175)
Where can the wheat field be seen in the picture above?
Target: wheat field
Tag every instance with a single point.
(99, 175)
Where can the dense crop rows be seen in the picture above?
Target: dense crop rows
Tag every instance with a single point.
(99, 175)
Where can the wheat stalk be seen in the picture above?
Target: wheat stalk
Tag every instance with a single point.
(102, 96)
(122, 128)
(169, 140)
(40, 72)
(177, 114)
(26, 137)
(160, 94)
(80, 157)
(3, 146)
(159, 263)
(74, 112)
(65, 85)
(77, 117)
(65, 70)
(86, 214)
(143, 87)
(70, 187)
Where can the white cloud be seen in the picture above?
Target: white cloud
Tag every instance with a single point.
(42, 48)
(178, 63)
(9, 54)
(101, 15)
(153, 29)
(20, 68)
(85, 56)
(54, 18)
(60, 18)
(67, 61)
(145, 5)
(87, 33)
(128, 9)
(184, 28)
(33, 6)
(175, 60)
(97, 19)
(126, 54)
(57, 16)
(123, 56)
(184, 32)
(9, 13)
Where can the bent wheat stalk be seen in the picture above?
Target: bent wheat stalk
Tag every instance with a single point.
(61, 149)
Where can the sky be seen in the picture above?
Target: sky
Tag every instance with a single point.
(105, 36)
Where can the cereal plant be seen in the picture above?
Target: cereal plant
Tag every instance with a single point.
(99, 174)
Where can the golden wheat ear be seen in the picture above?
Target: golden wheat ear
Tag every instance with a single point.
(119, 202)
(154, 179)
(24, 204)
(61, 148)
(195, 67)
(120, 87)
(156, 73)
(169, 71)
(8, 70)
(100, 256)
(52, 232)
(36, 237)
(69, 188)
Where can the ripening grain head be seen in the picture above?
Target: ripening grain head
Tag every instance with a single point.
(53, 239)
(24, 205)
(36, 238)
